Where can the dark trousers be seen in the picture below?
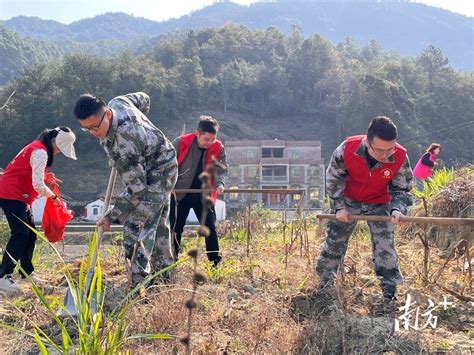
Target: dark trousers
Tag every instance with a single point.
(178, 214)
(21, 244)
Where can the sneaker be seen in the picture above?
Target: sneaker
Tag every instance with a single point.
(389, 293)
(216, 262)
(9, 286)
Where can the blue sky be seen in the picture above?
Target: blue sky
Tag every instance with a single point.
(67, 11)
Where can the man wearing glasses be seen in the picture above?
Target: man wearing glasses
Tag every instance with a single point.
(368, 174)
(146, 162)
(196, 153)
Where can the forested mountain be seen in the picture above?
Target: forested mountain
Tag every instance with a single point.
(259, 84)
(17, 51)
(404, 26)
(109, 26)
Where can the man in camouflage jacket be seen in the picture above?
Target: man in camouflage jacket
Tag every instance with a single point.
(367, 175)
(146, 162)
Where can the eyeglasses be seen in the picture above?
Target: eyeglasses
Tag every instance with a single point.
(208, 140)
(95, 127)
(382, 151)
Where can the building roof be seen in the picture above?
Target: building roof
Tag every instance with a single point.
(277, 143)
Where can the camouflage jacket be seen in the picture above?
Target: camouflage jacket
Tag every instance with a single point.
(144, 158)
(399, 187)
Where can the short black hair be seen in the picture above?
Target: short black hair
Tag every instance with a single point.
(88, 105)
(382, 127)
(207, 124)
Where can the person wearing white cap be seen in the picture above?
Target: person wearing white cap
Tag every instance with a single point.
(20, 184)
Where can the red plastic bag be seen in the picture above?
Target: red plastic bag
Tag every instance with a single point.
(55, 217)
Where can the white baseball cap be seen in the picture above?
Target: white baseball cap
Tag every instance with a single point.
(65, 142)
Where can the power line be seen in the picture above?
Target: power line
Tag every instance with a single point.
(443, 130)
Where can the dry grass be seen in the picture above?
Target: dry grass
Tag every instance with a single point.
(264, 302)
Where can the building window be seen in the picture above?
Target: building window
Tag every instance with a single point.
(234, 196)
(295, 172)
(95, 211)
(252, 172)
(272, 152)
(314, 172)
(251, 154)
(314, 194)
(274, 173)
(234, 171)
(296, 197)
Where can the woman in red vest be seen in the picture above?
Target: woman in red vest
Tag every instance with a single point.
(423, 169)
(20, 184)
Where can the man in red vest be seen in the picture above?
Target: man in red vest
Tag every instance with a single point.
(196, 151)
(368, 175)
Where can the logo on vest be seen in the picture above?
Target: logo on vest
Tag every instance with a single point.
(387, 173)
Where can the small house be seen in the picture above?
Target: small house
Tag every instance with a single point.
(94, 210)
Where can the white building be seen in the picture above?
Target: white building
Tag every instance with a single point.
(93, 210)
(220, 213)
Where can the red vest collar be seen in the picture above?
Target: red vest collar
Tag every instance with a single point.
(361, 149)
(213, 152)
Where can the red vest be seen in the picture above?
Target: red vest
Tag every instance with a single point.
(213, 152)
(16, 182)
(364, 185)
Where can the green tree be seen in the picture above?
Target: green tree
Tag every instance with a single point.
(230, 79)
(190, 82)
(308, 68)
(432, 60)
(190, 46)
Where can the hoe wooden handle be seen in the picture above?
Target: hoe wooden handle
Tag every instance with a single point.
(422, 220)
(242, 191)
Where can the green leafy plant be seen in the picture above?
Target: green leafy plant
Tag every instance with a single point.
(440, 179)
(442, 345)
(226, 269)
(93, 331)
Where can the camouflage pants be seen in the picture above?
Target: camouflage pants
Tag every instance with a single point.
(384, 256)
(147, 230)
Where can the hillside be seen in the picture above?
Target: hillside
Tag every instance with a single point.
(402, 26)
(17, 52)
(259, 84)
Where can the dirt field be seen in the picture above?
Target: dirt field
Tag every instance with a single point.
(262, 298)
